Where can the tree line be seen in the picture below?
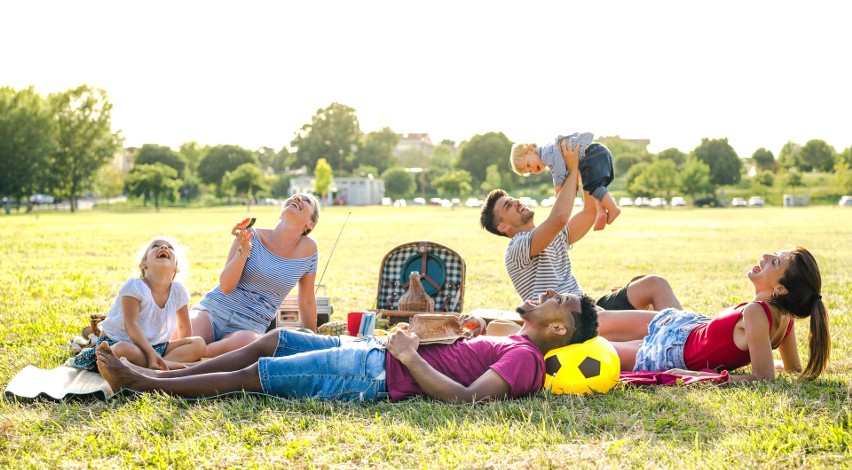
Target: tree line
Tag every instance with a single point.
(61, 145)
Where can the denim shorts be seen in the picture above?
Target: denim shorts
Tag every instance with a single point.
(224, 320)
(308, 365)
(663, 348)
(596, 169)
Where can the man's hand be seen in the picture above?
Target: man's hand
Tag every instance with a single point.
(571, 156)
(402, 344)
(471, 326)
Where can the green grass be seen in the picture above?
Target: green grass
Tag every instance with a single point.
(56, 268)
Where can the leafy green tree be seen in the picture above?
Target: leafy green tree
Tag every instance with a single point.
(635, 187)
(442, 157)
(108, 181)
(270, 160)
(334, 132)
(845, 157)
(151, 153)
(695, 178)
(673, 154)
(245, 179)
(725, 165)
(398, 182)
(476, 154)
(26, 141)
(764, 160)
(84, 137)
(789, 157)
(842, 178)
(635, 150)
(222, 159)
(280, 187)
(793, 178)
(817, 155)
(193, 153)
(765, 178)
(454, 183)
(658, 178)
(413, 158)
(376, 149)
(623, 163)
(492, 179)
(323, 177)
(365, 170)
(152, 181)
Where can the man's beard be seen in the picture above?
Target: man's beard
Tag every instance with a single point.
(526, 217)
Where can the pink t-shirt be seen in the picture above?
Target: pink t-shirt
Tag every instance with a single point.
(515, 358)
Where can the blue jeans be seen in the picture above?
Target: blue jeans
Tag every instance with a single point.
(596, 170)
(308, 365)
(663, 348)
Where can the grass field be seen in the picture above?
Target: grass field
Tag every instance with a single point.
(56, 268)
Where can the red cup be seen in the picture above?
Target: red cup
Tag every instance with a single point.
(353, 322)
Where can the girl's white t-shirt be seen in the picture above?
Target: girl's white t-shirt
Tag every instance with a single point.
(157, 323)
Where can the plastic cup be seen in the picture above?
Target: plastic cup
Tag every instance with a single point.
(353, 322)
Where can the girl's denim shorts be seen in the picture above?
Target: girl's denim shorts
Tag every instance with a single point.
(663, 348)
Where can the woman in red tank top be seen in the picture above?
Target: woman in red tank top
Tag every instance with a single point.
(787, 286)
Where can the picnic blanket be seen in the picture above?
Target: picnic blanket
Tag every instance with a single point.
(59, 383)
(673, 377)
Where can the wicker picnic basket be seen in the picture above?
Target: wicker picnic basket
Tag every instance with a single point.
(441, 275)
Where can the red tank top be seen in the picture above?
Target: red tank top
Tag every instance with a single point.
(711, 345)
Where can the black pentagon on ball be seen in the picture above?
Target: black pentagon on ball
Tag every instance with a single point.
(590, 367)
(552, 365)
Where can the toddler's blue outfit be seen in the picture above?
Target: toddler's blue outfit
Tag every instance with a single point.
(595, 162)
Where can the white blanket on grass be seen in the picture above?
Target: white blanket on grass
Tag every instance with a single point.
(59, 383)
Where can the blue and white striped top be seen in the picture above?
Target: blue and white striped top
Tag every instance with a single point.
(267, 278)
(550, 269)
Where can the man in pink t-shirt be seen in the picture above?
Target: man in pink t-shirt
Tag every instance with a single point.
(291, 364)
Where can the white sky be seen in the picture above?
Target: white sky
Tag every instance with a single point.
(252, 73)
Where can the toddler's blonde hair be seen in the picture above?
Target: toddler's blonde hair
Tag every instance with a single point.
(516, 159)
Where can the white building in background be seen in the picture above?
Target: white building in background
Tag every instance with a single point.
(345, 191)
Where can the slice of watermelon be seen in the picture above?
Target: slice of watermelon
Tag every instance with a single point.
(246, 223)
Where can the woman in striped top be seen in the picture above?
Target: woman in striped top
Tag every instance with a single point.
(263, 266)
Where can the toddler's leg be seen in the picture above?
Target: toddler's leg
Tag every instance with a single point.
(132, 352)
(601, 217)
(612, 210)
(180, 351)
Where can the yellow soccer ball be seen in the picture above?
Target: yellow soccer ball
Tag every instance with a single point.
(583, 368)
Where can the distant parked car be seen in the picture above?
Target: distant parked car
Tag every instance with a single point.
(399, 203)
(473, 202)
(845, 201)
(641, 201)
(548, 201)
(738, 202)
(420, 201)
(625, 202)
(678, 201)
(709, 201)
(528, 201)
(756, 201)
(578, 202)
(658, 202)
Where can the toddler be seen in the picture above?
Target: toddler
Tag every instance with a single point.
(595, 163)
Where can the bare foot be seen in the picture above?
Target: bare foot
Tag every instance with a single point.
(175, 365)
(600, 220)
(611, 215)
(115, 371)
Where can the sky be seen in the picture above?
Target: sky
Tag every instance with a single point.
(251, 73)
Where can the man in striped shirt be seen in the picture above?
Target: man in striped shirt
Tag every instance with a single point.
(537, 256)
